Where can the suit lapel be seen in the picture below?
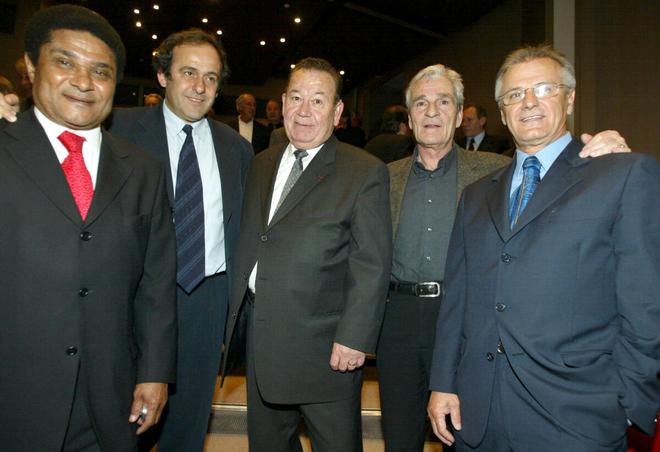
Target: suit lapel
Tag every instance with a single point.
(228, 162)
(112, 175)
(314, 174)
(267, 182)
(398, 182)
(154, 139)
(498, 200)
(34, 153)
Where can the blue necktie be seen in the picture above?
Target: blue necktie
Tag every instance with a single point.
(531, 178)
(189, 217)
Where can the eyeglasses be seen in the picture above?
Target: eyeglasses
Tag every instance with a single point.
(540, 90)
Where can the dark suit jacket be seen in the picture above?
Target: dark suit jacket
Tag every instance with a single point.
(145, 127)
(572, 291)
(100, 293)
(260, 134)
(324, 264)
(490, 143)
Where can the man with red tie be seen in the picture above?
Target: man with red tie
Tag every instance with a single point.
(88, 314)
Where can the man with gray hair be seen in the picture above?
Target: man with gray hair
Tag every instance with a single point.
(424, 191)
(548, 336)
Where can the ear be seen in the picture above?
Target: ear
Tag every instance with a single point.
(459, 118)
(482, 121)
(31, 70)
(338, 109)
(162, 79)
(502, 117)
(571, 102)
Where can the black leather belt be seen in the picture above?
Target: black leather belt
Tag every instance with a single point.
(429, 289)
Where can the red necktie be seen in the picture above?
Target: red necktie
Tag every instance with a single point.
(76, 172)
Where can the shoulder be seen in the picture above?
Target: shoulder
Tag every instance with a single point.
(400, 165)
(134, 155)
(483, 161)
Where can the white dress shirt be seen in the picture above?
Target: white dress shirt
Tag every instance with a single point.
(245, 129)
(214, 234)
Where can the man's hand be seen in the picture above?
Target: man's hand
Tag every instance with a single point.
(149, 398)
(344, 358)
(8, 107)
(442, 404)
(605, 142)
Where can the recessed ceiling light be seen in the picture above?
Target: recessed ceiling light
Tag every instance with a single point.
(262, 43)
(341, 72)
(156, 7)
(282, 40)
(138, 24)
(297, 20)
(154, 37)
(287, 6)
(292, 66)
(218, 32)
(154, 53)
(136, 11)
(205, 20)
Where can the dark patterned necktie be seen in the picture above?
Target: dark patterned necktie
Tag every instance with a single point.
(295, 173)
(470, 144)
(189, 217)
(531, 178)
(76, 173)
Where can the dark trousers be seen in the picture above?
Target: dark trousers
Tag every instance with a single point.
(201, 326)
(517, 423)
(80, 436)
(332, 426)
(403, 358)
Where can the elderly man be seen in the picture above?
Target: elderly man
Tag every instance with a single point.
(424, 190)
(253, 131)
(315, 251)
(548, 336)
(88, 313)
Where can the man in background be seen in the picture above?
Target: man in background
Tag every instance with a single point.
(253, 131)
(474, 131)
(395, 140)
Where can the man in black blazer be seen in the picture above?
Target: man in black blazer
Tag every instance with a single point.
(223, 157)
(88, 324)
(315, 265)
(253, 131)
(548, 336)
(474, 131)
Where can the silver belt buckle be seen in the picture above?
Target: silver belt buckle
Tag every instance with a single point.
(429, 285)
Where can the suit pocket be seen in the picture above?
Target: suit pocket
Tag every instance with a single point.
(584, 358)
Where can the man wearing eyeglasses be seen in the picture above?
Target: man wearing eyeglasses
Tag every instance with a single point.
(548, 335)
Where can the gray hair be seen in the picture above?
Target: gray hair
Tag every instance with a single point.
(531, 53)
(435, 72)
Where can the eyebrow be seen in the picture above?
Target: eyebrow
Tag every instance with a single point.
(192, 68)
(70, 54)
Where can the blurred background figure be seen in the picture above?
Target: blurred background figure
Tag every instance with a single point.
(395, 139)
(24, 85)
(474, 129)
(347, 133)
(274, 114)
(152, 99)
(253, 131)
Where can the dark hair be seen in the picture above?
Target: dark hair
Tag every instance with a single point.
(392, 117)
(41, 25)
(162, 60)
(321, 65)
(481, 111)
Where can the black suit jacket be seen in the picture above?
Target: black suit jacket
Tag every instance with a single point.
(324, 264)
(572, 292)
(98, 293)
(260, 134)
(490, 143)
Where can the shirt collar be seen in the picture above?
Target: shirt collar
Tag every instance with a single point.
(443, 164)
(547, 155)
(175, 123)
(53, 130)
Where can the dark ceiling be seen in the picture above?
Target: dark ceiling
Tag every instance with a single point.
(363, 38)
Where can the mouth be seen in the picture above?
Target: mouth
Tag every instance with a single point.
(432, 126)
(196, 100)
(78, 99)
(531, 118)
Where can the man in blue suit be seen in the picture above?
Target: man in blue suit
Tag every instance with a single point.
(548, 337)
(190, 66)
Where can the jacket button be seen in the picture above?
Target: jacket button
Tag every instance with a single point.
(264, 238)
(489, 356)
(233, 316)
(85, 236)
(499, 307)
(506, 258)
(83, 292)
(71, 351)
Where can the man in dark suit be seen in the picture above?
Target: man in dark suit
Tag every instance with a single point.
(223, 157)
(395, 140)
(548, 336)
(253, 131)
(314, 259)
(88, 324)
(474, 131)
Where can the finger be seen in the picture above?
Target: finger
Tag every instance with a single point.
(585, 137)
(148, 422)
(455, 415)
(334, 361)
(441, 431)
(136, 407)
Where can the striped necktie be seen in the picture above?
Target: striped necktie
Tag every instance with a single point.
(531, 178)
(295, 173)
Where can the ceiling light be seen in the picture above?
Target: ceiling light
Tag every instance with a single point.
(205, 20)
(154, 37)
(297, 20)
(138, 24)
(154, 53)
(282, 40)
(262, 43)
(292, 66)
(156, 7)
(287, 6)
(136, 11)
(341, 72)
(218, 32)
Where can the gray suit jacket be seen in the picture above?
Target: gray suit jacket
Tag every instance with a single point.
(324, 264)
(98, 294)
(572, 292)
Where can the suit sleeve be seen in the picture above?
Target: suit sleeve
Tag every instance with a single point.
(637, 252)
(154, 308)
(449, 327)
(369, 264)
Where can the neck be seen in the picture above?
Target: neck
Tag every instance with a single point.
(429, 157)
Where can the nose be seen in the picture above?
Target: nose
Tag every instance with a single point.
(431, 110)
(199, 85)
(530, 100)
(82, 80)
(305, 109)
